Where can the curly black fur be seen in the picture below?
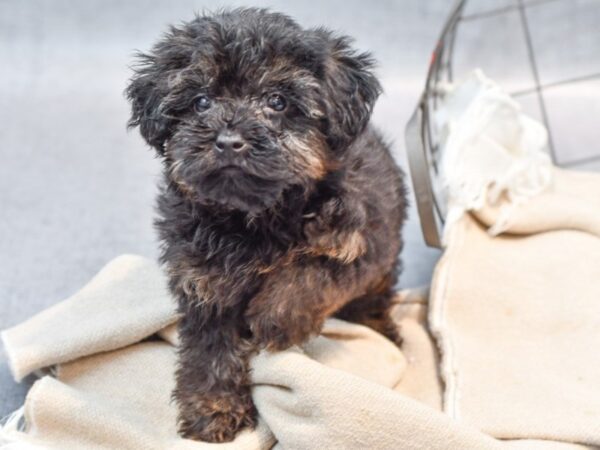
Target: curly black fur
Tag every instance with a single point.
(272, 219)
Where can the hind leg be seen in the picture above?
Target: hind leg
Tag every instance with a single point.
(374, 310)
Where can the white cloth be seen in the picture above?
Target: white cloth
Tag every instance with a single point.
(489, 149)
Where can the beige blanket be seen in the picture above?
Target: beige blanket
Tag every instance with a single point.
(518, 317)
(517, 320)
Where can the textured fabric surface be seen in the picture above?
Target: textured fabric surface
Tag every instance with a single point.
(120, 294)
(518, 317)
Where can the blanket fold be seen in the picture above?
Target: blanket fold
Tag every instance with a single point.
(571, 202)
(532, 295)
(123, 304)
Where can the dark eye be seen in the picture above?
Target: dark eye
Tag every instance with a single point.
(202, 103)
(276, 102)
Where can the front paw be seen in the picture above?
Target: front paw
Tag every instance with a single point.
(215, 419)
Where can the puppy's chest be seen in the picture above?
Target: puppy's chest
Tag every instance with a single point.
(235, 246)
(226, 267)
(244, 248)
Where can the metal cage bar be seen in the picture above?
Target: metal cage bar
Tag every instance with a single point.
(422, 147)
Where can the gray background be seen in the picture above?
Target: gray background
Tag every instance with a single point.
(76, 189)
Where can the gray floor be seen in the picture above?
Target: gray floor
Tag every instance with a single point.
(76, 189)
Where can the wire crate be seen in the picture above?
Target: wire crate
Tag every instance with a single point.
(422, 143)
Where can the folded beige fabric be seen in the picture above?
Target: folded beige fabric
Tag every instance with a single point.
(572, 202)
(518, 317)
(334, 393)
(124, 303)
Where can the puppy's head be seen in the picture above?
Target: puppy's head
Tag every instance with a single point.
(245, 104)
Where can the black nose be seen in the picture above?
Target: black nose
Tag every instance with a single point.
(229, 141)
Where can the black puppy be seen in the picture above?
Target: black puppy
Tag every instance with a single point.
(280, 206)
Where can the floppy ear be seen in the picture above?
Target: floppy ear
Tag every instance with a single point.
(351, 89)
(146, 91)
(154, 80)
